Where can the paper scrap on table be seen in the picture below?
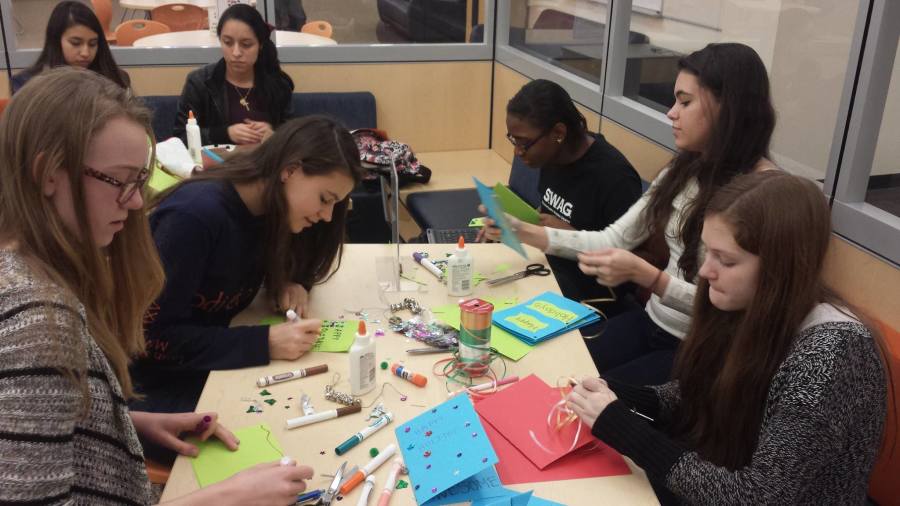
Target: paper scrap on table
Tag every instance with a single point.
(215, 462)
(336, 336)
(505, 343)
(443, 446)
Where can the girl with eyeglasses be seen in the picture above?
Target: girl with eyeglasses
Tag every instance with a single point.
(722, 121)
(74, 37)
(78, 270)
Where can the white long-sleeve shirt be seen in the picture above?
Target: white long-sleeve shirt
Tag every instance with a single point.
(672, 311)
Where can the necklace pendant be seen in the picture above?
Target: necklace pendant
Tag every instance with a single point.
(245, 104)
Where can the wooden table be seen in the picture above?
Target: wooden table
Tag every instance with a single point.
(355, 287)
(205, 38)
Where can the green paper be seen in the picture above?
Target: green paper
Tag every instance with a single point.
(514, 205)
(401, 484)
(505, 343)
(501, 268)
(270, 402)
(216, 463)
(336, 336)
(477, 222)
(265, 392)
(161, 180)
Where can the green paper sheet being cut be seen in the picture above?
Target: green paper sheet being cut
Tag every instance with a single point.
(336, 335)
(505, 343)
(514, 205)
(216, 463)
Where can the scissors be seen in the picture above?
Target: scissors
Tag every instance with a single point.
(331, 492)
(530, 270)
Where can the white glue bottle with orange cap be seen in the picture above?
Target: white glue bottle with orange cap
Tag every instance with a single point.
(362, 362)
(460, 271)
(194, 143)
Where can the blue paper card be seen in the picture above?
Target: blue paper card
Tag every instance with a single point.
(542, 317)
(444, 446)
(484, 485)
(514, 498)
(489, 199)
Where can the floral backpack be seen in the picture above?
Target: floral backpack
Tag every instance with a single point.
(376, 151)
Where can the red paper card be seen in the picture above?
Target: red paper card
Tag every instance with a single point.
(519, 413)
(515, 468)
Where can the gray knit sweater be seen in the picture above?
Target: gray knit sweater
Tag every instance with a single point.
(819, 437)
(51, 450)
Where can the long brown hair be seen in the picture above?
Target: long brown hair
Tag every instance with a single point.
(47, 127)
(736, 76)
(319, 146)
(728, 359)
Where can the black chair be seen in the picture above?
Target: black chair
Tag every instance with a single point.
(448, 209)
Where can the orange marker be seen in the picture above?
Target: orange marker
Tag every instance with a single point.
(412, 377)
(368, 469)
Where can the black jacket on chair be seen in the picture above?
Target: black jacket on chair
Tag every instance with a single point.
(204, 93)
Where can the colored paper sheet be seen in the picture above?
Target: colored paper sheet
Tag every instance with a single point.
(517, 499)
(588, 462)
(490, 202)
(505, 343)
(524, 424)
(336, 336)
(161, 180)
(215, 462)
(544, 317)
(484, 485)
(444, 446)
(514, 205)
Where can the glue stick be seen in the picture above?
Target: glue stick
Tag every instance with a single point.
(412, 377)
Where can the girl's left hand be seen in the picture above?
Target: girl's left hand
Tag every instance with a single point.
(164, 429)
(589, 398)
(295, 297)
(611, 266)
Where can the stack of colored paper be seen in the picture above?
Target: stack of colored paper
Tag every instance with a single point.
(544, 317)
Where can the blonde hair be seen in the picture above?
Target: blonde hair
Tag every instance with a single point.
(47, 127)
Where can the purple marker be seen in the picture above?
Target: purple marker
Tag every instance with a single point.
(426, 263)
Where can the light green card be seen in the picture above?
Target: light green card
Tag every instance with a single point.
(216, 463)
(514, 205)
(336, 336)
(161, 180)
(505, 343)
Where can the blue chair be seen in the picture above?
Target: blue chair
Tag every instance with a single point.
(445, 209)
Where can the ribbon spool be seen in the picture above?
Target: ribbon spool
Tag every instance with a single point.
(474, 354)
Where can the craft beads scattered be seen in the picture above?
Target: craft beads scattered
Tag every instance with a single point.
(384, 365)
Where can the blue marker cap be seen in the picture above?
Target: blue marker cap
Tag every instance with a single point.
(315, 494)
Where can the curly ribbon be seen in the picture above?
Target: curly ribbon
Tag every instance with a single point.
(563, 416)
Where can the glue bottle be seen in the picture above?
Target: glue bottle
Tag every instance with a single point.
(459, 271)
(362, 362)
(193, 139)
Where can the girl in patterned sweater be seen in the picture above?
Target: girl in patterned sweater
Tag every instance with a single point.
(780, 391)
(77, 271)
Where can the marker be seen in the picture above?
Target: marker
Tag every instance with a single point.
(202, 425)
(300, 421)
(367, 431)
(426, 263)
(367, 489)
(291, 375)
(369, 468)
(309, 496)
(212, 156)
(487, 386)
(412, 377)
(391, 482)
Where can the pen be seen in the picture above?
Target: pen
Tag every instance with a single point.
(212, 156)
(367, 488)
(300, 421)
(426, 263)
(202, 425)
(487, 386)
(428, 351)
(290, 375)
(367, 431)
(391, 482)
(369, 468)
(309, 496)
(412, 377)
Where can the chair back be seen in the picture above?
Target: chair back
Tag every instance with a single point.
(134, 29)
(322, 28)
(103, 10)
(180, 17)
(884, 487)
(524, 181)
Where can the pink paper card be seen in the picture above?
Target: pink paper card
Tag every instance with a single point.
(586, 462)
(519, 413)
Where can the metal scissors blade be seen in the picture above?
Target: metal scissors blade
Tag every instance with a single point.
(530, 270)
(332, 490)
